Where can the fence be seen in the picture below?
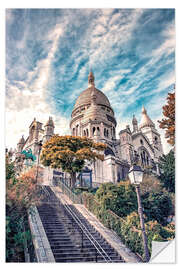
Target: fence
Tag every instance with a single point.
(71, 195)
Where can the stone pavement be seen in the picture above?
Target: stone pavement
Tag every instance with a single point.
(110, 236)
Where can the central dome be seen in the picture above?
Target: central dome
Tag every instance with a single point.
(86, 96)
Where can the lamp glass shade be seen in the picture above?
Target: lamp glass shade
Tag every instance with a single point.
(135, 175)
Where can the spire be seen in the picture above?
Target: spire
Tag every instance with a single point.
(91, 79)
(145, 120)
(144, 110)
(50, 122)
(135, 124)
(21, 141)
(134, 120)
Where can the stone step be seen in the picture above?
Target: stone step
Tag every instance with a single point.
(86, 252)
(65, 237)
(57, 233)
(77, 259)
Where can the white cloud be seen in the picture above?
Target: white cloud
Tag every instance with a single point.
(99, 49)
(18, 122)
(23, 105)
(167, 80)
(111, 83)
(168, 46)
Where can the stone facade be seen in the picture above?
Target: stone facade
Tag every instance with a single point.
(93, 116)
(36, 134)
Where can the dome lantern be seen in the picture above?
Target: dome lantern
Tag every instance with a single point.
(91, 79)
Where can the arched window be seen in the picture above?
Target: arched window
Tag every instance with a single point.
(123, 173)
(141, 141)
(145, 157)
(114, 132)
(73, 132)
(147, 160)
(142, 160)
(84, 133)
(107, 133)
(87, 132)
(77, 130)
(94, 130)
(156, 140)
(98, 130)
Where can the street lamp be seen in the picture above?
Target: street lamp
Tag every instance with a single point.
(136, 175)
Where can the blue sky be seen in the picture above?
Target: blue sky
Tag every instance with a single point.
(49, 53)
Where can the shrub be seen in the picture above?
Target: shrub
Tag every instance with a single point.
(128, 228)
(120, 198)
(157, 206)
(21, 192)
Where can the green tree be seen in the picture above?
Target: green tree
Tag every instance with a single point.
(157, 206)
(167, 171)
(70, 153)
(10, 171)
(120, 198)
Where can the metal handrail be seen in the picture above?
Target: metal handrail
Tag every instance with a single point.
(85, 230)
(74, 197)
(80, 224)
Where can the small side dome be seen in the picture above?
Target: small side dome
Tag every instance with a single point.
(145, 120)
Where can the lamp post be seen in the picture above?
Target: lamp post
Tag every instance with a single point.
(39, 150)
(136, 175)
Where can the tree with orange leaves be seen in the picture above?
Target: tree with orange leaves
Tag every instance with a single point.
(21, 192)
(70, 153)
(168, 123)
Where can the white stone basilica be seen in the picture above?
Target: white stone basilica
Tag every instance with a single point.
(93, 116)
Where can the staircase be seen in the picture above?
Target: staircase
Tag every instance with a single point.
(72, 238)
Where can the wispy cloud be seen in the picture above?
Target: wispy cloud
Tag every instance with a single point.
(50, 52)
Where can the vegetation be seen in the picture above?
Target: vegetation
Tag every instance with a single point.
(167, 171)
(168, 123)
(150, 183)
(157, 206)
(116, 207)
(120, 198)
(70, 153)
(21, 192)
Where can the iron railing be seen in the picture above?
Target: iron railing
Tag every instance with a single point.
(76, 198)
(84, 231)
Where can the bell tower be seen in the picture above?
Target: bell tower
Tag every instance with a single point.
(20, 144)
(148, 128)
(49, 129)
(135, 124)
